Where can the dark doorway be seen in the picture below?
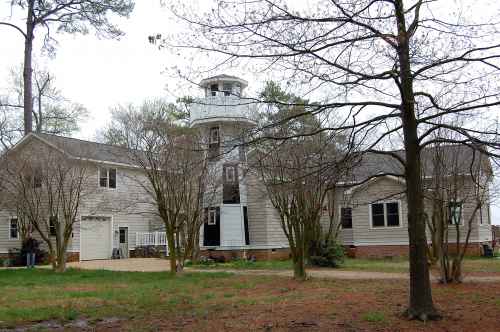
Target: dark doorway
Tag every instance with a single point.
(211, 227)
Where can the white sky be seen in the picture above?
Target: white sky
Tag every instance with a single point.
(101, 73)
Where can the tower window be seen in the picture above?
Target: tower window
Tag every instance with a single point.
(230, 174)
(237, 89)
(214, 88)
(227, 88)
(214, 135)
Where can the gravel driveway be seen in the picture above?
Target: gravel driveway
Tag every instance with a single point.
(130, 264)
(158, 265)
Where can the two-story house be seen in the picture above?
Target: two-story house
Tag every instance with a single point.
(240, 220)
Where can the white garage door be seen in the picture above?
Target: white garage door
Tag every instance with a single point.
(95, 237)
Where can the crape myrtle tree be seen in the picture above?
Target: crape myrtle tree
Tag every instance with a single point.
(172, 158)
(48, 188)
(52, 112)
(298, 172)
(392, 68)
(45, 17)
(457, 191)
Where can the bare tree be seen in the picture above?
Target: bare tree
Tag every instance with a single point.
(65, 16)
(392, 68)
(48, 188)
(458, 191)
(52, 112)
(299, 173)
(172, 159)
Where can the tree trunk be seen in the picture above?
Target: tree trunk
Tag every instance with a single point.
(299, 270)
(172, 255)
(28, 71)
(421, 305)
(180, 256)
(456, 268)
(53, 260)
(61, 261)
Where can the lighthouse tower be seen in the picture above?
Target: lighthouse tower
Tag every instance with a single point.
(222, 116)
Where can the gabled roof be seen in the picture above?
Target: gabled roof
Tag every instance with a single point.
(456, 158)
(87, 150)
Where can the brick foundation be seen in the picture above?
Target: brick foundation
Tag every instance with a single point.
(73, 257)
(386, 251)
(259, 254)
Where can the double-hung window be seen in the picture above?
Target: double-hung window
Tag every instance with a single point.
(13, 228)
(455, 213)
(52, 226)
(107, 177)
(385, 214)
(346, 217)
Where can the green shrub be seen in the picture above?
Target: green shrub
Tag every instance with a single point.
(328, 254)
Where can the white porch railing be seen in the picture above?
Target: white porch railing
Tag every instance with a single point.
(223, 106)
(150, 239)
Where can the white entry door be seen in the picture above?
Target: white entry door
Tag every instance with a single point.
(95, 237)
(231, 227)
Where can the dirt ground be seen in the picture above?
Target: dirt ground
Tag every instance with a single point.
(327, 305)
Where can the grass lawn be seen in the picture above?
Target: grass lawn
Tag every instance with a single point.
(226, 302)
(475, 265)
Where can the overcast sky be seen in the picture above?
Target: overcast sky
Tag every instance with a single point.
(100, 73)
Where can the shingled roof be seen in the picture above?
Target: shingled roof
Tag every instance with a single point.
(368, 165)
(88, 150)
(456, 158)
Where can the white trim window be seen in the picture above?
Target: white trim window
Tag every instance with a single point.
(13, 228)
(212, 217)
(455, 213)
(107, 177)
(385, 214)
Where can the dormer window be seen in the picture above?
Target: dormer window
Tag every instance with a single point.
(214, 88)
